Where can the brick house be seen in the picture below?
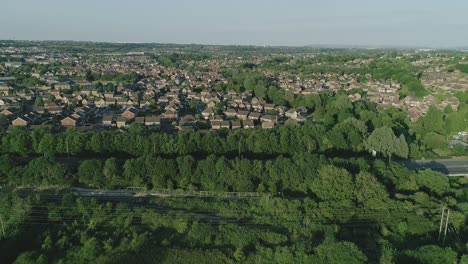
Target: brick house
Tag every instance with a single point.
(69, 122)
(130, 113)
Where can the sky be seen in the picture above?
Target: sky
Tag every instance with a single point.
(429, 23)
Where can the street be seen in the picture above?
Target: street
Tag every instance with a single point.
(451, 167)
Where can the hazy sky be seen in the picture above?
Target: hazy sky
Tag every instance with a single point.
(257, 22)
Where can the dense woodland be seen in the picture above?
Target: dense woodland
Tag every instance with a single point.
(322, 198)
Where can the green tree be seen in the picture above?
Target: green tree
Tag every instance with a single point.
(339, 252)
(432, 254)
(435, 182)
(435, 141)
(89, 76)
(383, 140)
(333, 184)
(369, 192)
(90, 172)
(39, 102)
(111, 172)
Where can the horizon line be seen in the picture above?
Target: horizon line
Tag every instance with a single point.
(364, 46)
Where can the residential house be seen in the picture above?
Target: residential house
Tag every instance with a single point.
(410, 101)
(109, 95)
(236, 125)
(152, 121)
(131, 102)
(413, 114)
(69, 121)
(121, 121)
(8, 111)
(107, 120)
(280, 110)
(100, 103)
(429, 99)
(140, 120)
(172, 95)
(194, 95)
(254, 116)
(230, 112)
(269, 107)
(207, 113)
(53, 108)
(257, 107)
(269, 118)
(5, 89)
(215, 125)
(130, 113)
(225, 124)
(110, 101)
(248, 124)
(292, 113)
(217, 118)
(21, 121)
(163, 99)
(62, 86)
(170, 114)
(291, 122)
(187, 122)
(453, 102)
(121, 101)
(242, 115)
(268, 124)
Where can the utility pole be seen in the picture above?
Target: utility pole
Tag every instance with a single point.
(446, 225)
(3, 228)
(441, 222)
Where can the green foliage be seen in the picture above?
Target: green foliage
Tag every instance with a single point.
(40, 172)
(195, 256)
(32, 81)
(339, 252)
(462, 67)
(387, 254)
(39, 102)
(274, 229)
(90, 172)
(333, 184)
(432, 254)
(132, 77)
(383, 140)
(433, 121)
(6, 165)
(369, 192)
(434, 140)
(436, 182)
(89, 76)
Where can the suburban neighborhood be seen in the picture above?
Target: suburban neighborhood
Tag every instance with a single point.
(169, 98)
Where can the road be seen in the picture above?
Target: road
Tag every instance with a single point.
(451, 167)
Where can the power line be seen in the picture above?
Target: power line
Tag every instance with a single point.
(44, 216)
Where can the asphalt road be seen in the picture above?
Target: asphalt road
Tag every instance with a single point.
(451, 167)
